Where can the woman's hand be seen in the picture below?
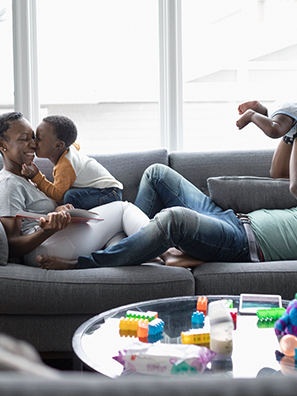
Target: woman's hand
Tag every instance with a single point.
(63, 208)
(57, 221)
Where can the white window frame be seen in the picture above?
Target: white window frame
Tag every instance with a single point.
(171, 88)
(26, 97)
(25, 59)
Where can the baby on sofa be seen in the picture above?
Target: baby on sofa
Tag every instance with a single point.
(78, 179)
(281, 121)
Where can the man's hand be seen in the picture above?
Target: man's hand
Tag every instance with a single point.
(57, 221)
(29, 171)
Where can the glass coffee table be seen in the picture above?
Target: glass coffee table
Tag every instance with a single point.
(255, 348)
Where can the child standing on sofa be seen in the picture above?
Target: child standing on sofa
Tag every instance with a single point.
(78, 179)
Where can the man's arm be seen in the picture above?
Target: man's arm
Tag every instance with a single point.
(281, 160)
(293, 170)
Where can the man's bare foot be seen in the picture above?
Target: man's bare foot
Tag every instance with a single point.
(55, 263)
(175, 258)
(245, 119)
(157, 260)
(252, 105)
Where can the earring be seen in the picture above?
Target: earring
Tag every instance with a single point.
(4, 149)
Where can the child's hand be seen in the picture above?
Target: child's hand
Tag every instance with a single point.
(29, 171)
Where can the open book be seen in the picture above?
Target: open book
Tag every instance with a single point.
(77, 215)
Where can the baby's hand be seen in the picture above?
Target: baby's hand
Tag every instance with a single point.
(29, 171)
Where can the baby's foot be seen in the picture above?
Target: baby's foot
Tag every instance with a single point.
(55, 263)
(245, 119)
(252, 105)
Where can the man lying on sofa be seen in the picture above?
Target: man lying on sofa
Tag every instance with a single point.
(196, 225)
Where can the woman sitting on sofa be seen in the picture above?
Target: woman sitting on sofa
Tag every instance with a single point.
(57, 236)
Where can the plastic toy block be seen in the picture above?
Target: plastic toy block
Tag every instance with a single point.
(233, 313)
(270, 314)
(128, 324)
(155, 326)
(142, 330)
(150, 315)
(202, 304)
(198, 317)
(229, 303)
(195, 336)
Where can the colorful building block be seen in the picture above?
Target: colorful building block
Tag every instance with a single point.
(197, 318)
(155, 326)
(142, 330)
(128, 324)
(150, 315)
(195, 336)
(202, 304)
(270, 314)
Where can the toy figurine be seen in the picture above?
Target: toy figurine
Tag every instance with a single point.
(287, 323)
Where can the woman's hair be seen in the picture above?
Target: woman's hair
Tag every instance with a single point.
(5, 120)
(65, 128)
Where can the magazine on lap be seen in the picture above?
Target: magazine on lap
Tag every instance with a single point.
(77, 215)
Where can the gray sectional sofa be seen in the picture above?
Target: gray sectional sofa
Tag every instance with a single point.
(45, 307)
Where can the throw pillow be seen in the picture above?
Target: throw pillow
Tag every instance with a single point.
(3, 246)
(244, 194)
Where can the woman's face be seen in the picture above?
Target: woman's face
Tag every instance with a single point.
(20, 144)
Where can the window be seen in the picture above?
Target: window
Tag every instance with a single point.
(234, 51)
(6, 75)
(98, 64)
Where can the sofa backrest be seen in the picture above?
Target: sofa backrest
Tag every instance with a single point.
(197, 167)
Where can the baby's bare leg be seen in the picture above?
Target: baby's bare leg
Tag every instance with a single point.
(252, 105)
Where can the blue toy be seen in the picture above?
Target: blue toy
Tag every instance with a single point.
(198, 317)
(287, 323)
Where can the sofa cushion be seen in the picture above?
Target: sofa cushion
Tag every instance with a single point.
(247, 193)
(3, 246)
(87, 291)
(197, 167)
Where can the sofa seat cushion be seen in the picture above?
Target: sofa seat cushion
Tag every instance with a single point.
(247, 193)
(273, 277)
(28, 290)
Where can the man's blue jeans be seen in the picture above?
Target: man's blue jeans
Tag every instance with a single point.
(88, 198)
(193, 223)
